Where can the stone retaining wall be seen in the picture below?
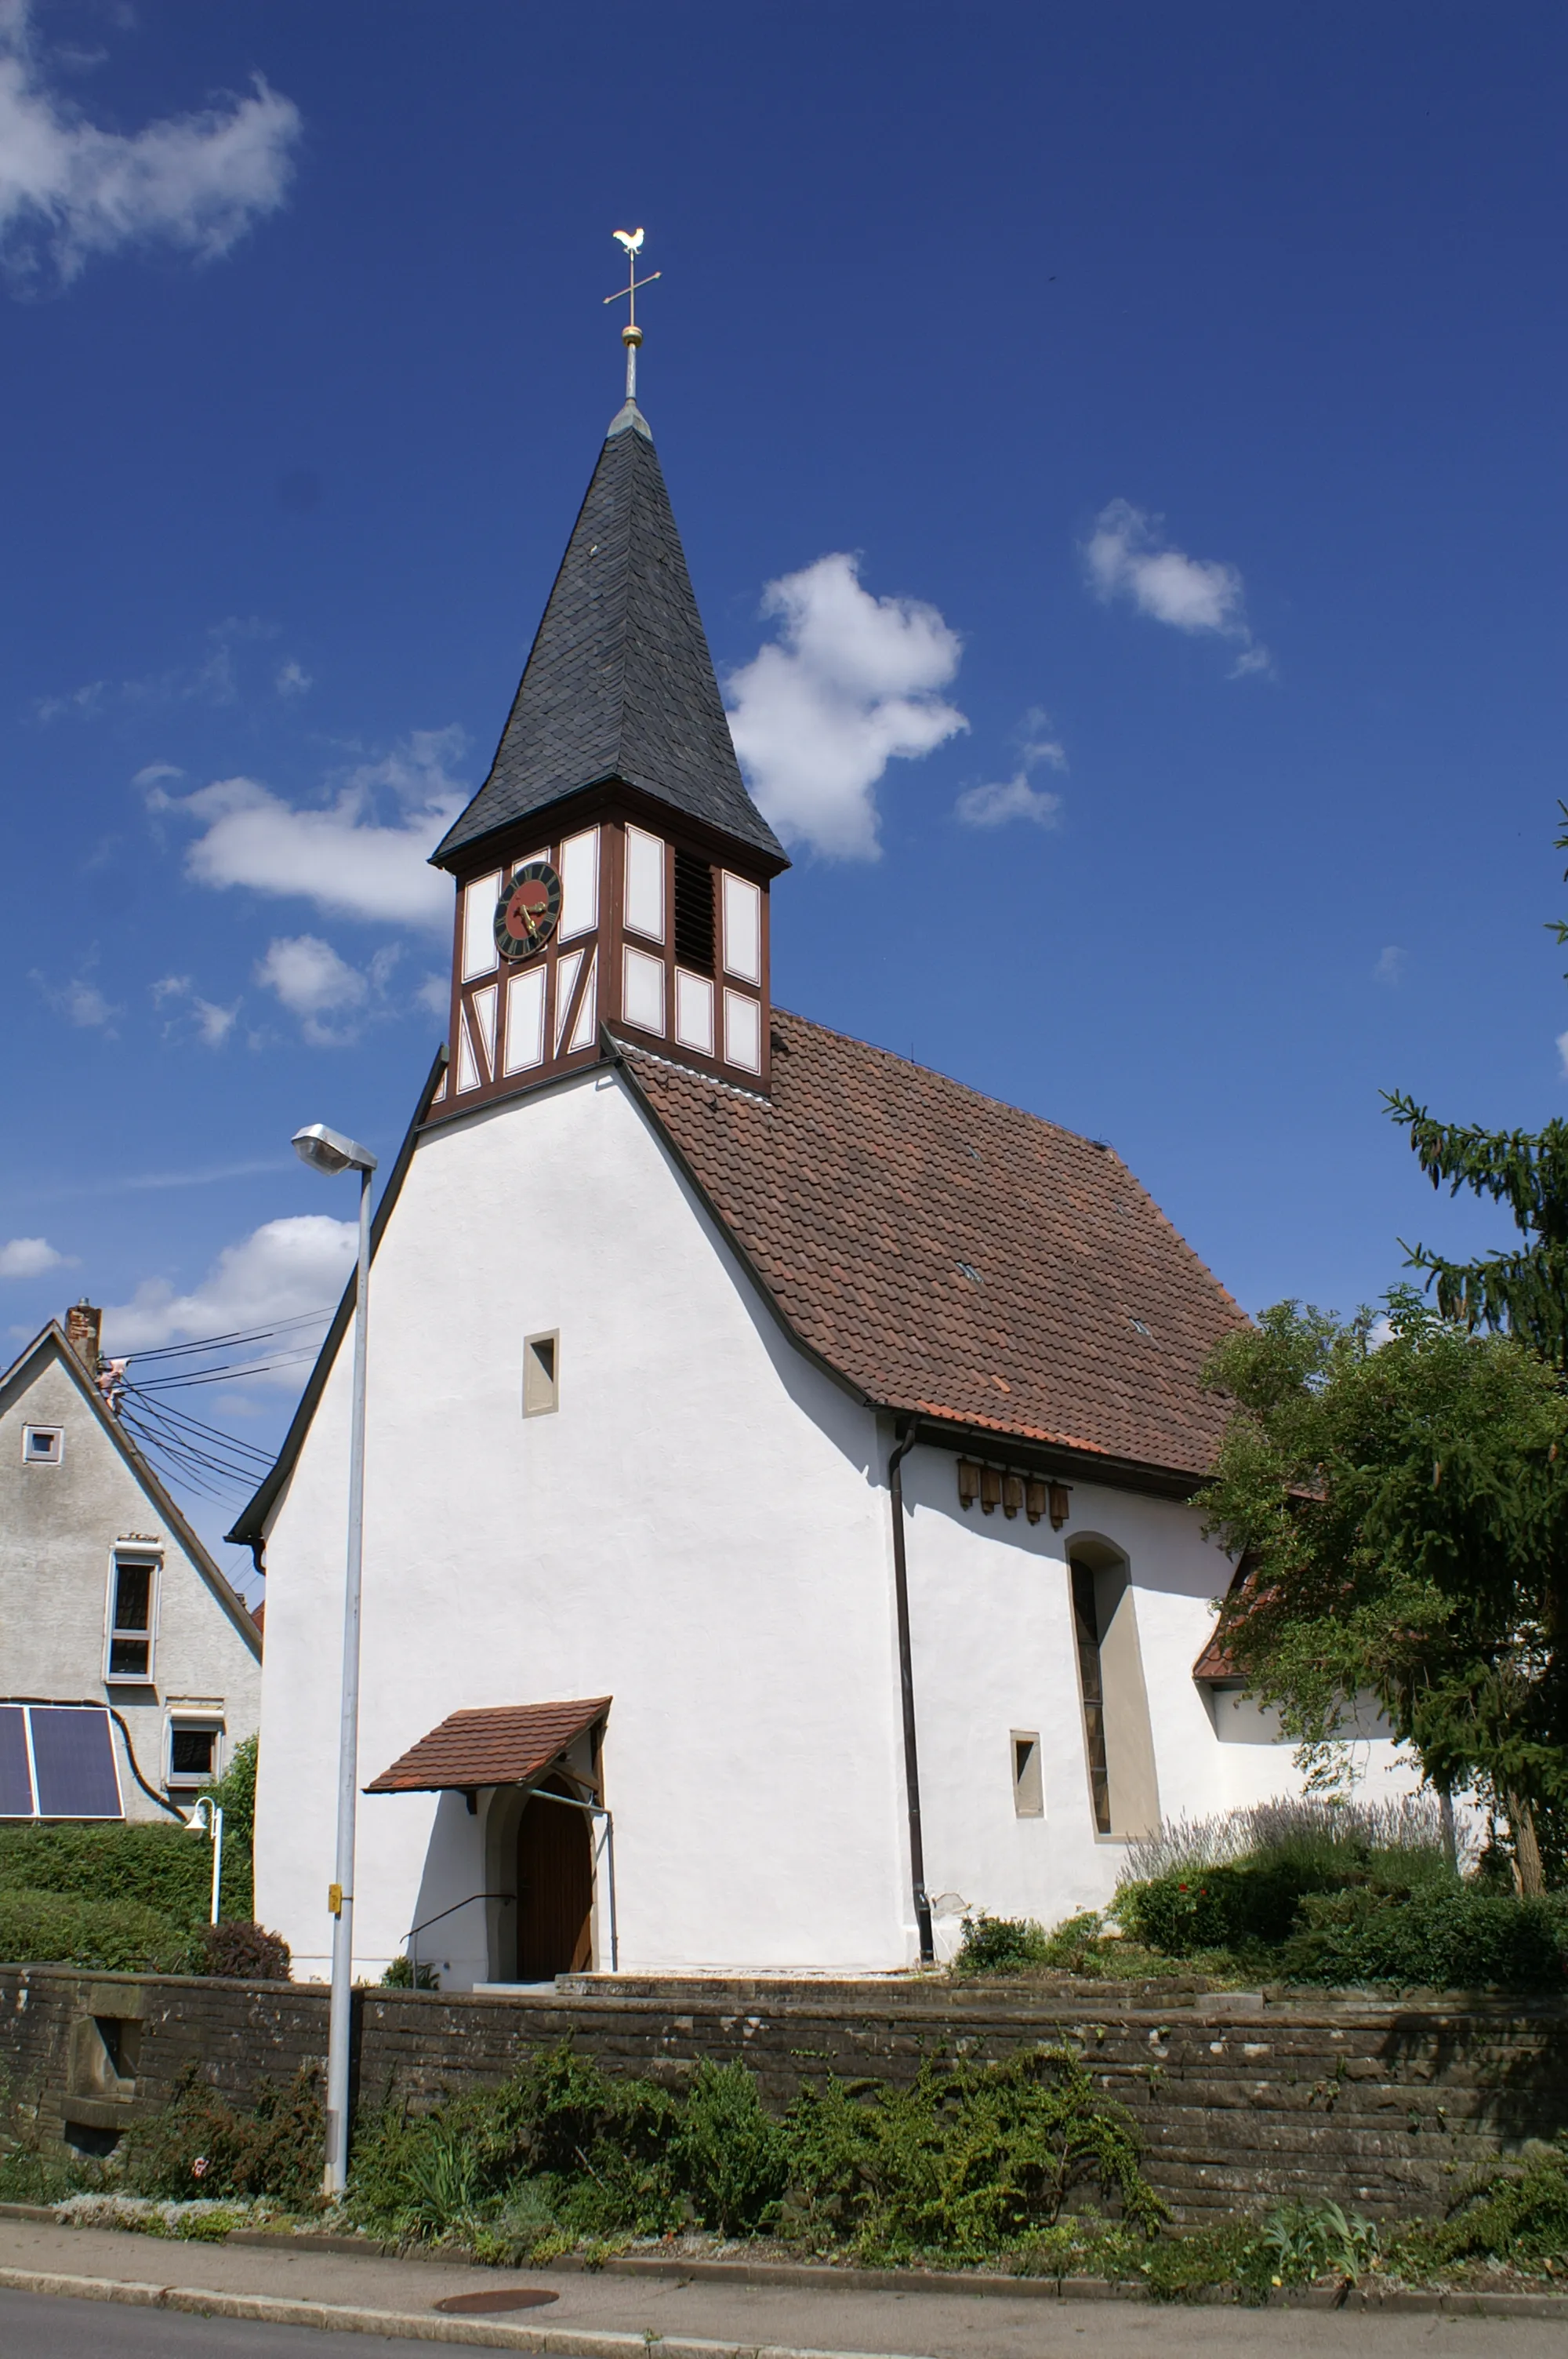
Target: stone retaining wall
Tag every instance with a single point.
(1241, 2098)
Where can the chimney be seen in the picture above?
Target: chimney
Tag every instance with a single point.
(83, 1325)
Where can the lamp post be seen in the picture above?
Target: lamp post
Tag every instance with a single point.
(329, 1151)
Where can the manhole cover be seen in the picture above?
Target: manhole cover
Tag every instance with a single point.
(477, 2305)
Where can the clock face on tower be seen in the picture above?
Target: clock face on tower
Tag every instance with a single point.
(527, 912)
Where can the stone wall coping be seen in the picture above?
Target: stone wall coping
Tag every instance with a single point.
(923, 1999)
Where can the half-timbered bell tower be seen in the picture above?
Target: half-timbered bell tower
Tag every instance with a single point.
(613, 870)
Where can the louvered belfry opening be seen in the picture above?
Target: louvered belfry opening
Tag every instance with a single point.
(693, 913)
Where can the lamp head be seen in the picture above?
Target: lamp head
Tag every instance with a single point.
(329, 1151)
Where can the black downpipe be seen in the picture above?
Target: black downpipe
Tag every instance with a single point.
(906, 1689)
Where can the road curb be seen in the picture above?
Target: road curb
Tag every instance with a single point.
(413, 2326)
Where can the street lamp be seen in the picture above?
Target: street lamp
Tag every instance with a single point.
(329, 1151)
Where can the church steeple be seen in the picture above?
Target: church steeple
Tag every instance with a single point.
(613, 870)
(620, 684)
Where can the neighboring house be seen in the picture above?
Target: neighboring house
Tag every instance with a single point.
(129, 1670)
(770, 1442)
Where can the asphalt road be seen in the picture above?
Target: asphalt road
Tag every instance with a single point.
(47, 2326)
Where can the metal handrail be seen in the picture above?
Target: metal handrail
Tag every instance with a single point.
(425, 1924)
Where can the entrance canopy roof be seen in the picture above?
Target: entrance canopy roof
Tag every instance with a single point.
(510, 1745)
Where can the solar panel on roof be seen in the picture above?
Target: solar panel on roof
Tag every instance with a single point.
(16, 1779)
(74, 1754)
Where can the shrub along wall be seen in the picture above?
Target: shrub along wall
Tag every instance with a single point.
(1241, 2098)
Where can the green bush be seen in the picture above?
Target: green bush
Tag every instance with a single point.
(244, 1952)
(29, 2176)
(402, 1971)
(165, 1868)
(595, 2148)
(999, 1945)
(970, 2160)
(199, 2143)
(730, 2157)
(1509, 2211)
(964, 2163)
(1226, 1908)
(1444, 1938)
(114, 1936)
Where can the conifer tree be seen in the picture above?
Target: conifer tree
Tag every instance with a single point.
(1524, 1291)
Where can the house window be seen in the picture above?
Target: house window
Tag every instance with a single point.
(1028, 1786)
(193, 1749)
(541, 1374)
(133, 1601)
(42, 1445)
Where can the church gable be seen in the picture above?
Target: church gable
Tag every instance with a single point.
(952, 1257)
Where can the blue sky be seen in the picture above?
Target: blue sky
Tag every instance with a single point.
(1179, 390)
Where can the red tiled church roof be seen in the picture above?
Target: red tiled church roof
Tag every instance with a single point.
(953, 1256)
(509, 1745)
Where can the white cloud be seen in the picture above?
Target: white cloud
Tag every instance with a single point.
(345, 857)
(1562, 1050)
(193, 1016)
(31, 1256)
(1127, 558)
(435, 993)
(80, 1002)
(293, 679)
(1014, 797)
(282, 1270)
(83, 703)
(314, 983)
(155, 773)
(1390, 964)
(69, 190)
(850, 683)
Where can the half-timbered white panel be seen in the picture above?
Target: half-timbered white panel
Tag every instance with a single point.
(566, 967)
(486, 1004)
(644, 885)
(694, 1011)
(587, 1012)
(643, 990)
(525, 1019)
(742, 929)
(480, 953)
(580, 883)
(468, 1070)
(743, 1031)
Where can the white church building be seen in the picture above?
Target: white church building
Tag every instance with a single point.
(779, 1526)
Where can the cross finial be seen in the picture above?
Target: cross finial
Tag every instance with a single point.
(630, 334)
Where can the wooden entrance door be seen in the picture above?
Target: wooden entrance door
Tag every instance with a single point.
(555, 1890)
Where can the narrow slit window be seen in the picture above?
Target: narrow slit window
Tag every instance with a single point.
(694, 912)
(1085, 1622)
(541, 1374)
(1027, 1785)
(132, 1599)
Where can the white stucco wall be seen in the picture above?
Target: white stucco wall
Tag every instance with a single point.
(700, 1531)
(58, 1526)
(994, 1650)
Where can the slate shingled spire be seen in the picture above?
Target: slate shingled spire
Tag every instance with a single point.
(619, 684)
